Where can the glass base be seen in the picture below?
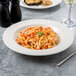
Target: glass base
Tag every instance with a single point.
(69, 23)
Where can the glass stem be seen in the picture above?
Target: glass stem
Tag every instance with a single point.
(69, 13)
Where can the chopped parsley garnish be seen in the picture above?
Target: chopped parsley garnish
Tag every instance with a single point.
(40, 33)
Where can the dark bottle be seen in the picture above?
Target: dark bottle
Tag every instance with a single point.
(15, 11)
(4, 13)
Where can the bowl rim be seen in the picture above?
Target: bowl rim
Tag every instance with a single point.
(36, 52)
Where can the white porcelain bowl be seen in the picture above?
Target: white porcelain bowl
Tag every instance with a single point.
(65, 34)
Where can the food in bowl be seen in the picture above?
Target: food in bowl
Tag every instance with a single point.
(33, 2)
(39, 2)
(46, 2)
(38, 38)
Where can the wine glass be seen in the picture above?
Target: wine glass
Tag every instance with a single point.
(69, 22)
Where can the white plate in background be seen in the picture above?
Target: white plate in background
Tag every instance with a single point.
(55, 2)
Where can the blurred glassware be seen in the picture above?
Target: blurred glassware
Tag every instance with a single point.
(16, 14)
(70, 22)
(4, 13)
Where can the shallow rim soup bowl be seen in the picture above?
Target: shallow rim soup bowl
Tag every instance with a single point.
(65, 35)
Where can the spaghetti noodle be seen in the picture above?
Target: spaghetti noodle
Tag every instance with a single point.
(38, 38)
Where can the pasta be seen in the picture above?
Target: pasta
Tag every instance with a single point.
(37, 38)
